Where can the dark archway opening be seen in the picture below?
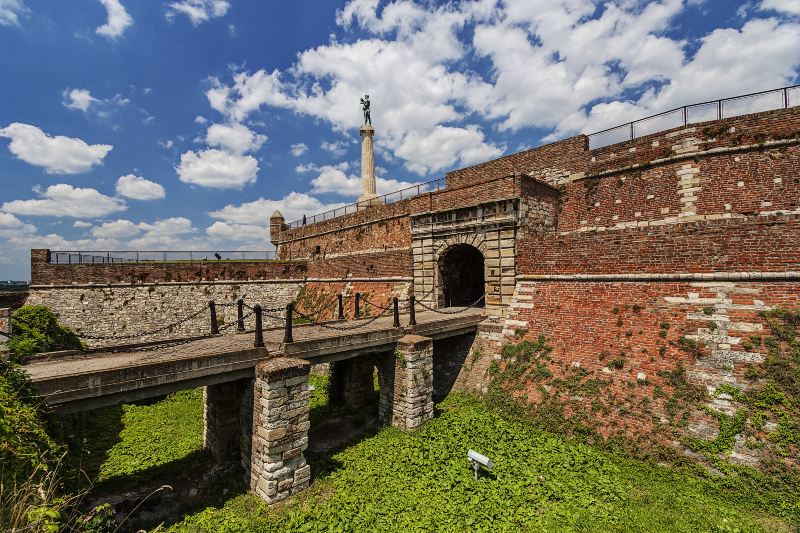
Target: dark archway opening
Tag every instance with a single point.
(461, 276)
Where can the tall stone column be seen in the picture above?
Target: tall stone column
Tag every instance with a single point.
(280, 429)
(412, 402)
(368, 185)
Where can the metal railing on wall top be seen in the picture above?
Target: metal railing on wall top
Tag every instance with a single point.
(771, 100)
(157, 256)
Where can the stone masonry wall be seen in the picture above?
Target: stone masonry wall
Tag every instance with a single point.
(128, 310)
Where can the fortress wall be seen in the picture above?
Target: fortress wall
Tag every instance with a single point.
(618, 348)
(132, 309)
(45, 273)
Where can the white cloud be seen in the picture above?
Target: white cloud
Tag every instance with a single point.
(332, 179)
(790, 7)
(200, 119)
(139, 188)
(217, 169)
(299, 149)
(198, 11)
(164, 233)
(79, 99)
(10, 11)
(256, 213)
(63, 200)
(81, 224)
(11, 225)
(118, 20)
(236, 138)
(57, 155)
(337, 148)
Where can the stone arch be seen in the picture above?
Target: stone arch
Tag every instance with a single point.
(460, 272)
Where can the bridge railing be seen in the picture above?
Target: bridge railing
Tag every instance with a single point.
(782, 98)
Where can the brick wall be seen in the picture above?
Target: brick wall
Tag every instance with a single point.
(45, 273)
(614, 345)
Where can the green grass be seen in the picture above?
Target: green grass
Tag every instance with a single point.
(396, 481)
(121, 446)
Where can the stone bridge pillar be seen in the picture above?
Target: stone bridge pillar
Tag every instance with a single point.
(412, 395)
(222, 417)
(351, 381)
(280, 429)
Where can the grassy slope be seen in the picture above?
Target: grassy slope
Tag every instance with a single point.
(420, 482)
(120, 446)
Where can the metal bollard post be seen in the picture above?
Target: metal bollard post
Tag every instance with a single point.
(412, 313)
(287, 336)
(358, 305)
(214, 325)
(259, 343)
(240, 315)
(396, 311)
(341, 307)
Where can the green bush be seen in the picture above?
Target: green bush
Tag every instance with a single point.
(36, 329)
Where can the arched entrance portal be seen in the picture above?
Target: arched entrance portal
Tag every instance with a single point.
(461, 276)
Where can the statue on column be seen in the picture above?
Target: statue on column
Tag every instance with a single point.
(365, 109)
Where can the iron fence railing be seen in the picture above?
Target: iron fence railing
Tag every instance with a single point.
(389, 198)
(692, 114)
(157, 256)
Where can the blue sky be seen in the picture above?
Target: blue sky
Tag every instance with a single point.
(184, 124)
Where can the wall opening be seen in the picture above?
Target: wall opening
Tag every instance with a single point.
(461, 276)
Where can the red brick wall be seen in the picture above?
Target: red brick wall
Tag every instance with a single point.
(764, 244)
(44, 273)
(590, 325)
(380, 264)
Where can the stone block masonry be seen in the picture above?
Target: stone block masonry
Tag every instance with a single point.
(221, 417)
(5, 324)
(280, 429)
(413, 382)
(132, 309)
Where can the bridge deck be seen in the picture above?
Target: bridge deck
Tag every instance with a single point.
(75, 381)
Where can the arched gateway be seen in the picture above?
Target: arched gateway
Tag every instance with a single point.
(461, 276)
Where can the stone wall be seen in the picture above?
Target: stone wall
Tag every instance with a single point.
(132, 309)
(5, 324)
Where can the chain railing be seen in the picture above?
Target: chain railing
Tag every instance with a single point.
(782, 98)
(385, 199)
(157, 256)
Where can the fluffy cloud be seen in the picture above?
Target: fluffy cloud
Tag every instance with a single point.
(139, 188)
(63, 200)
(217, 169)
(332, 179)
(11, 226)
(159, 232)
(10, 11)
(299, 149)
(57, 155)
(198, 11)
(236, 138)
(256, 213)
(79, 99)
(790, 7)
(118, 20)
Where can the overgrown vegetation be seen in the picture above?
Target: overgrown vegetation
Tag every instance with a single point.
(395, 481)
(32, 495)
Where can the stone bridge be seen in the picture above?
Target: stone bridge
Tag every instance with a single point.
(257, 398)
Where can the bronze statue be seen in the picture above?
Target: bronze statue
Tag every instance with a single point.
(365, 109)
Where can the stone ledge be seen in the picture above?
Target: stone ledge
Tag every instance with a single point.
(282, 368)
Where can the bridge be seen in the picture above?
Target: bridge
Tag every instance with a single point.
(256, 392)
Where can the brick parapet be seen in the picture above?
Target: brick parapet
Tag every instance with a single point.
(45, 273)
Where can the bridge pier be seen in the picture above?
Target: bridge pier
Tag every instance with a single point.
(412, 394)
(221, 417)
(351, 381)
(278, 468)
